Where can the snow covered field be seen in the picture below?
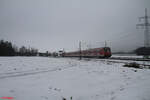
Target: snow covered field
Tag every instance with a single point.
(41, 78)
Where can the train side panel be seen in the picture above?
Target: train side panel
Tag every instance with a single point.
(96, 52)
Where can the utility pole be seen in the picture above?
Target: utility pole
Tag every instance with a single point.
(146, 25)
(80, 50)
(105, 44)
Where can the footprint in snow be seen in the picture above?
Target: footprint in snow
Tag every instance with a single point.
(44, 97)
(121, 89)
(15, 68)
(112, 93)
(50, 88)
(37, 68)
(113, 98)
(56, 89)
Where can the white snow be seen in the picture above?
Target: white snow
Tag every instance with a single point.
(126, 56)
(41, 78)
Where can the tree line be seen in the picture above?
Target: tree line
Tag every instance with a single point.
(7, 49)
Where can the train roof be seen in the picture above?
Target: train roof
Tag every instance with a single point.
(90, 49)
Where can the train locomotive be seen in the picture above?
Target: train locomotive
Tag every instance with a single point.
(103, 52)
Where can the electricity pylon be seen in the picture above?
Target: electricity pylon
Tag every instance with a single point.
(145, 25)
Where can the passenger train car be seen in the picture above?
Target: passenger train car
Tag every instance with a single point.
(104, 52)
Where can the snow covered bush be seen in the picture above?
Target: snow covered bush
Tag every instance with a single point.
(132, 64)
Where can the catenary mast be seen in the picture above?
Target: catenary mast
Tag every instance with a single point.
(146, 25)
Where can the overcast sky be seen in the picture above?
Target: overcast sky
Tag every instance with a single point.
(56, 24)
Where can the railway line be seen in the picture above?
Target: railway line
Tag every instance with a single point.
(128, 58)
(140, 61)
(125, 60)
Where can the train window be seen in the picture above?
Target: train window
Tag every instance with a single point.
(108, 49)
(105, 49)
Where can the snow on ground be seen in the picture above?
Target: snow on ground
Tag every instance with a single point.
(126, 56)
(41, 78)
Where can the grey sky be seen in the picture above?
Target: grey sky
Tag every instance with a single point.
(56, 24)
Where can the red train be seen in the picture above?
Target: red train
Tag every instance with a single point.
(104, 52)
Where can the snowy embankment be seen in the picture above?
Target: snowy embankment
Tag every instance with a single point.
(126, 56)
(39, 78)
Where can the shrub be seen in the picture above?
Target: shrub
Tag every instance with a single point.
(133, 64)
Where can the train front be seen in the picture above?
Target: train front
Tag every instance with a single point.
(107, 52)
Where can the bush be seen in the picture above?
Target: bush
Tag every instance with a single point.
(133, 64)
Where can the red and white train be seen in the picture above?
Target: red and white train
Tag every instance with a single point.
(104, 52)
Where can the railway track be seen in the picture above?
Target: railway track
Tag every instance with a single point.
(144, 65)
(140, 61)
(127, 58)
(117, 58)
